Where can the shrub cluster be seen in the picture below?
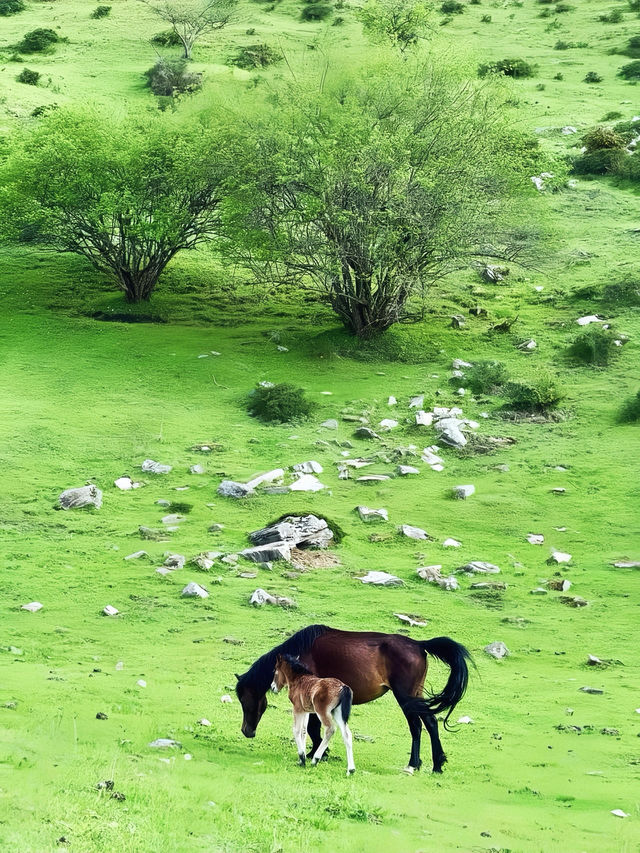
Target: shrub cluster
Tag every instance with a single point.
(517, 68)
(595, 345)
(11, 7)
(605, 151)
(314, 11)
(38, 41)
(29, 77)
(539, 392)
(452, 7)
(168, 38)
(630, 71)
(486, 377)
(279, 403)
(169, 77)
(101, 12)
(615, 16)
(630, 410)
(624, 292)
(256, 56)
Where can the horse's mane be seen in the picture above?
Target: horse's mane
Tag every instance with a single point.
(260, 674)
(297, 667)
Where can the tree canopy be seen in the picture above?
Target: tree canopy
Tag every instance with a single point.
(190, 21)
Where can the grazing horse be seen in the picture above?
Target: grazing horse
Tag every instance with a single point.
(329, 698)
(371, 664)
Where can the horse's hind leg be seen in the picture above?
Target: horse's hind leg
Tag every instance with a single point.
(345, 731)
(407, 703)
(431, 725)
(300, 735)
(314, 730)
(327, 720)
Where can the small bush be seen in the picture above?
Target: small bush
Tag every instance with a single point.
(486, 377)
(630, 410)
(633, 47)
(38, 41)
(101, 12)
(607, 161)
(338, 22)
(168, 38)
(593, 77)
(630, 71)
(559, 76)
(316, 12)
(594, 345)
(169, 77)
(599, 138)
(517, 68)
(564, 7)
(11, 7)
(624, 292)
(612, 115)
(29, 77)
(256, 56)
(628, 129)
(485, 19)
(614, 17)
(538, 393)
(634, 5)
(279, 403)
(452, 7)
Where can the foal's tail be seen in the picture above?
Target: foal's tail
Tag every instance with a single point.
(345, 699)
(455, 656)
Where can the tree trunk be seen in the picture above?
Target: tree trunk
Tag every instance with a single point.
(362, 308)
(138, 286)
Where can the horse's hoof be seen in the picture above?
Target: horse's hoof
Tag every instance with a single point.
(351, 772)
(314, 761)
(409, 770)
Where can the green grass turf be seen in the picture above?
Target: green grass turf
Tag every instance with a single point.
(87, 400)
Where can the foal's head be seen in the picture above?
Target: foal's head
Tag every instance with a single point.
(287, 669)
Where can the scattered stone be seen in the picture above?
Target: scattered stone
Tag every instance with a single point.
(595, 691)
(215, 528)
(479, 567)
(619, 813)
(81, 497)
(558, 490)
(424, 418)
(356, 463)
(332, 423)
(388, 424)
(260, 597)
(412, 621)
(197, 469)
(372, 515)
(231, 489)
(392, 401)
(463, 492)
(586, 321)
(566, 131)
(592, 660)
(118, 795)
(107, 785)
(373, 478)
(162, 502)
(174, 518)
(457, 321)
(163, 570)
(194, 590)
(450, 432)
(451, 543)
(492, 273)
(306, 483)
(204, 722)
(432, 459)
(417, 402)
(32, 607)
(405, 470)
(302, 531)
(497, 650)
(110, 611)
(465, 721)
(504, 468)
(282, 349)
(528, 346)
(535, 538)
(459, 364)
(559, 584)
(269, 477)
(268, 553)
(125, 484)
(431, 574)
(413, 532)
(310, 467)
(101, 716)
(151, 467)
(174, 561)
(539, 590)
(248, 575)
(381, 579)
(226, 699)
(136, 555)
(573, 601)
(165, 743)
(365, 432)
(627, 564)
(559, 557)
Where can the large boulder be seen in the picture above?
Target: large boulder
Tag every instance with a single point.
(306, 531)
(268, 553)
(231, 489)
(151, 467)
(81, 497)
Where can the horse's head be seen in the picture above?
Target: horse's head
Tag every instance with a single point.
(254, 704)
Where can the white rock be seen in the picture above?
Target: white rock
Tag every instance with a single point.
(136, 555)
(559, 557)
(125, 484)
(151, 467)
(392, 401)
(32, 607)
(424, 418)
(332, 423)
(306, 483)
(187, 756)
(373, 478)
(535, 538)
(417, 402)
(461, 392)
(268, 553)
(463, 492)
(356, 463)
(174, 561)
(429, 573)
(163, 570)
(204, 722)
(110, 611)
(497, 650)
(370, 515)
(450, 432)
(414, 623)
(432, 459)
(381, 579)
(479, 567)
(260, 597)
(529, 345)
(196, 469)
(413, 532)
(173, 518)
(194, 590)
(405, 470)
(451, 543)
(458, 364)
(619, 813)
(388, 424)
(586, 321)
(119, 666)
(465, 720)
(232, 489)
(539, 590)
(270, 477)
(311, 467)
(283, 349)
(568, 130)
(141, 682)
(164, 743)
(81, 497)
(226, 699)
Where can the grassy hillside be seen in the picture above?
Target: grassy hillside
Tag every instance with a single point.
(88, 400)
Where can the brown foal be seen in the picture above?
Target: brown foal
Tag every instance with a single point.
(329, 698)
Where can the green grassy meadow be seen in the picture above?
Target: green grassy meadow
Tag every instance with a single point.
(87, 401)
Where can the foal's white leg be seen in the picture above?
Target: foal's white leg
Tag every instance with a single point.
(345, 731)
(328, 734)
(300, 735)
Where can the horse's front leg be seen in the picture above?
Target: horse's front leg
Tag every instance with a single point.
(300, 735)
(314, 732)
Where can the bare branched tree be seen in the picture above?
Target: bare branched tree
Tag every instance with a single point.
(190, 22)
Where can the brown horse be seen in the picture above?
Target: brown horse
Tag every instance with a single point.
(371, 664)
(328, 698)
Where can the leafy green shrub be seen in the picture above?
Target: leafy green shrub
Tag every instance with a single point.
(486, 377)
(11, 7)
(559, 76)
(612, 115)
(628, 129)
(101, 12)
(623, 292)
(630, 410)
(614, 17)
(633, 47)
(452, 7)
(338, 22)
(593, 77)
(38, 40)
(316, 12)
(29, 77)
(279, 403)
(485, 19)
(599, 138)
(594, 345)
(634, 5)
(630, 71)
(256, 56)
(169, 77)
(517, 68)
(537, 393)
(564, 7)
(607, 161)
(168, 38)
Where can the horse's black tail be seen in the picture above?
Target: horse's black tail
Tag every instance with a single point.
(345, 701)
(455, 656)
